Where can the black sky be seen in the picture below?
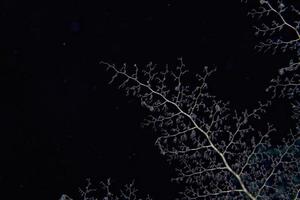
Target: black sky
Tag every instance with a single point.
(63, 123)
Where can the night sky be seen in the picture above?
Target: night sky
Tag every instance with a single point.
(62, 122)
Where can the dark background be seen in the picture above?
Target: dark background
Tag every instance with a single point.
(63, 123)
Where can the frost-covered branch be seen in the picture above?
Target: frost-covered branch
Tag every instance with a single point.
(221, 153)
(285, 21)
(278, 10)
(218, 153)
